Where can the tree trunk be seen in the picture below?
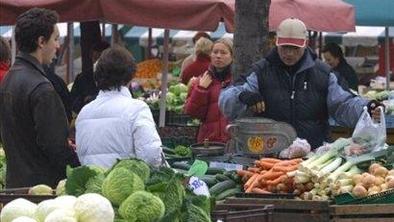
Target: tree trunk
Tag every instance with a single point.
(251, 33)
(90, 34)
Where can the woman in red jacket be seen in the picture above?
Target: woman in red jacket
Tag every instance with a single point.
(5, 57)
(202, 101)
(203, 51)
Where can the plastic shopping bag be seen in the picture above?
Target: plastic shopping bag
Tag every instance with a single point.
(368, 136)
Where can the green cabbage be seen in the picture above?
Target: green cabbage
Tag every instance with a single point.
(142, 206)
(172, 195)
(94, 184)
(119, 184)
(195, 213)
(136, 166)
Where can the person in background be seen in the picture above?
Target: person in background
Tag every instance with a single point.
(345, 74)
(202, 99)
(5, 57)
(115, 125)
(33, 122)
(292, 85)
(60, 87)
(200, 65)
(84, 88)
(192, 57)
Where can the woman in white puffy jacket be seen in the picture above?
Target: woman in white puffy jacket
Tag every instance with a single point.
(114, 125)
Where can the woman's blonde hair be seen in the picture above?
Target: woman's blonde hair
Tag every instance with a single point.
(203, 46)
(227, 42)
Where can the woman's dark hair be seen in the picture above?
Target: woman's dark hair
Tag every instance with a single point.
(115, 68)
(334, 49)
(5, 51)
(32, 24)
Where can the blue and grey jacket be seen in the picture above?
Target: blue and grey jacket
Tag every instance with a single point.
(304, 97)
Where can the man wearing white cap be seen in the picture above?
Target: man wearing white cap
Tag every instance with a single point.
(292, 85)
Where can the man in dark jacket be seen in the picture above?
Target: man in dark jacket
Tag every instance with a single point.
(60, 87)
(84, 89)
(33, 122)
(346, 75)
(293, 86)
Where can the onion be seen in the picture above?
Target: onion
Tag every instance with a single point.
(357, 178)
(380, 171)
(390, 184)
(359, 191)
(379, 181)
(368, 181)
(391, 172)
(373, 167)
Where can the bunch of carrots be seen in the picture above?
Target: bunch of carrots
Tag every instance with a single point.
(269, 175)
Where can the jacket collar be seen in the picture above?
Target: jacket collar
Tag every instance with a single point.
(32, 61)
(307, 60)
(124, 91)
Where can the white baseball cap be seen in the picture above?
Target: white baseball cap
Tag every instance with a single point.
(291, 31)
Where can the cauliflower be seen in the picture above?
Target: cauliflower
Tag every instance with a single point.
(119, 184)
(142, 206)
(46, 207)
(17, 208)
(61, 187)
(24, 219)
(92, 207)
(61, 215)
(41, 189)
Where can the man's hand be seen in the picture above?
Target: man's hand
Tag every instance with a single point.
(71, 144)
(373, 109)
(253, 100)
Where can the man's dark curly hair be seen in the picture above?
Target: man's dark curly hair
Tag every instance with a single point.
(5, 50)
(115, 68)
(32, 24)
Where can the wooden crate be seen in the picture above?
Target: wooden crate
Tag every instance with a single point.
(289, 210)
(242, 212)
(362, 213)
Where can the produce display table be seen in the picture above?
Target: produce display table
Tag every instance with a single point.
(362, 213)
(286, 210)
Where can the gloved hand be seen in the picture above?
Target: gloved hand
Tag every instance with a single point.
(250, 98)
(373, 109)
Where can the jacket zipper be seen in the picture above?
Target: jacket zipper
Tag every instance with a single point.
(292, 97)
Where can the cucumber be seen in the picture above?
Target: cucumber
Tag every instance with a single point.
(221, 177)
(214, 170)
(228, 193)
(209, 180)
(181, 165)
(221, 186)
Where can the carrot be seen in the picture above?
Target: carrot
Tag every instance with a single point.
(244, 173)
(285, 168)
(272, 160)
(260, 191)
(254, 184)
(270, 175)
(254, 169)
(278, 180)
(250, 181)
(266, 165)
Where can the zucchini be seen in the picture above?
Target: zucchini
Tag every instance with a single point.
(221, 177)
(214, 170)
(221, 186)
(209, 180)
(228, 193)
(180, 165)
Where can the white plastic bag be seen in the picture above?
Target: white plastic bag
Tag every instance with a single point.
(299, 148)
(369, 134)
